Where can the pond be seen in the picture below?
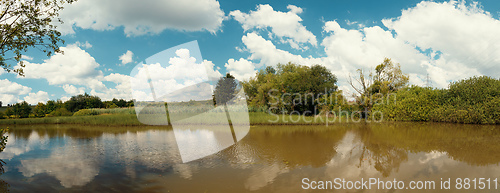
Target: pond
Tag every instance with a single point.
(69, 158)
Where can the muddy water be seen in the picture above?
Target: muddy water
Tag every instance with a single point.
(269, 159)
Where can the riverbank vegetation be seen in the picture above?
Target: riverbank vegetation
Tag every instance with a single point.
(294, 94)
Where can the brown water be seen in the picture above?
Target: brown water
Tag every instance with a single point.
(268, 159)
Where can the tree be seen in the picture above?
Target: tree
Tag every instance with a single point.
(83, 101)
(40, 110)
(225, 89)
(290, 87)
(28, 24)
(8, 112)
(0, 103)
(388, 78)
(21, 110)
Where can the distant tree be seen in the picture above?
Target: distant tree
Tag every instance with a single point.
(9, 112)
(40, 110)
(0, 103)
(388, 78)
(290, 87)
(28, 24)
(130, 103)
(83, 101)
(225, 89)
(53, 105)
(21, 110)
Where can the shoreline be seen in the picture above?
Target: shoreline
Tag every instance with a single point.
(129, 120)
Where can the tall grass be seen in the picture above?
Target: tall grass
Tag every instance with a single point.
(118, 119)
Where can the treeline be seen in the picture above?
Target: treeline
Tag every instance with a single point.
(289, 88)
(383, 94)
(54, 108)
(475, 101)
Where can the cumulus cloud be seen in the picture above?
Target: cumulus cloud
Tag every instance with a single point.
(25, 57)
(35, 98)
(181, 72)
(85, 45)
(241, 69)
(282, 24)
(126, 57)
(144, 17)
(10, 91)
(427, 39)
(466, 35)
(75, 66)
(73, 90)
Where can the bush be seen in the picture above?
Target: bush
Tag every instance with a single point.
(60, 112)
(86, 112)
(472, 101)
(2, 115)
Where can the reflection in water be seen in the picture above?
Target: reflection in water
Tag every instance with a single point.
(268, 159)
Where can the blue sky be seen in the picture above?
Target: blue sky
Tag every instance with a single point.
(446, 40)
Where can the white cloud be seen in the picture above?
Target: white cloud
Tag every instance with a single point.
(24, 57)
(85, 45)
(73, 90)
(144, 17)
(452, 51)
(8, 87)
(35, 98)
(282, 24)
(126, 57)
(75, 66)
(10, 91)
(241, 69)
(265, 51)
(466, 35)
(181, 72)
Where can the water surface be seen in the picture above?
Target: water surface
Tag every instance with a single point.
(269, 159)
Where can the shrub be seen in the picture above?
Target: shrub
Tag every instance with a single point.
(86, 112)
(60, 112)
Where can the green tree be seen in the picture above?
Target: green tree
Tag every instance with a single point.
(40, 110)
(290, 87)
(21, 110)
(388, 78)
(83, 101)
(28, 24)
(9, 112)
(3, 143)
(225, 89)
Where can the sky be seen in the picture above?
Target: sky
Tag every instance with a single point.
(105, 40)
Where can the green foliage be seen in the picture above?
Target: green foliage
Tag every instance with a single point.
(2, 115)
(83, 101)
(86, 112)
(371, 88)
(3, 138)
(225, 89)
(19, 110)
(290, 87)
(40, 110)
(60, 112)
(28, 24)
(474, 101)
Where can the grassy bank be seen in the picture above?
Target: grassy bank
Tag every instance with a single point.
(256, 118)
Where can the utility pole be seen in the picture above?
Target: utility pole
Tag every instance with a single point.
(428, 82)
